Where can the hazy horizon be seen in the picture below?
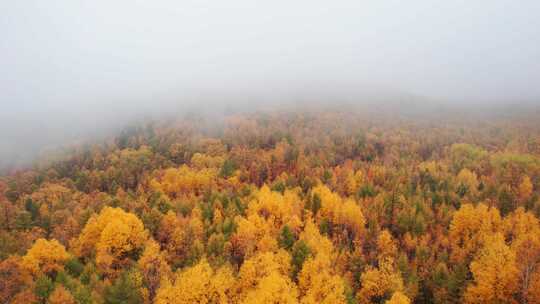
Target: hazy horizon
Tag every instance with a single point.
(72, 69)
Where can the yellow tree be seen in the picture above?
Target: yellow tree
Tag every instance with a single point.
(273, 288)
(330, 202)
(525, 189)
(223, 285)
(523, 229)
(379, 282)
(176, 182)
(266, 270)
(344, 213)
(318, 243)
(115, 236)
(253, 234)
(276, 208)
(197, 284)
(386, 246)
(318, 283)
(350, 217)
(469, 227)
(45, 257)
(495, 274)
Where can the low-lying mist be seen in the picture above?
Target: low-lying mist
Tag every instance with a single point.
(74, 72)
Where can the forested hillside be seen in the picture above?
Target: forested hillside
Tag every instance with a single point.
(284, 206)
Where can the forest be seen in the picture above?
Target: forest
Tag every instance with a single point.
(313, 205)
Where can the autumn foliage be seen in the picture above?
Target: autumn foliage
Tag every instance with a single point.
(281, 207)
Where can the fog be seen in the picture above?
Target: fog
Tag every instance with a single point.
(72, 69)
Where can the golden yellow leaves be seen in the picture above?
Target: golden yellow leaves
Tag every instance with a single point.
(252, 235)
(191, 286)
(523, 229)
(318, 243)
(525, 188)
(330, 201)
(495, 274)
(496, 246)
(114, 235)
(376, 282)
(261, 265)
(386, 246)
(345, 213)
(276, 208)
(273, 288)
(197, 284)
(176, 182)
(45, 257)
(318, 283)
(469, 227)
(267, 213)
(265, 279)
(350, 215)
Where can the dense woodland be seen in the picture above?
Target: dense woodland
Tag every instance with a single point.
(282, 206)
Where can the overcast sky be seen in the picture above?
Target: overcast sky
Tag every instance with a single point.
(76, 65)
